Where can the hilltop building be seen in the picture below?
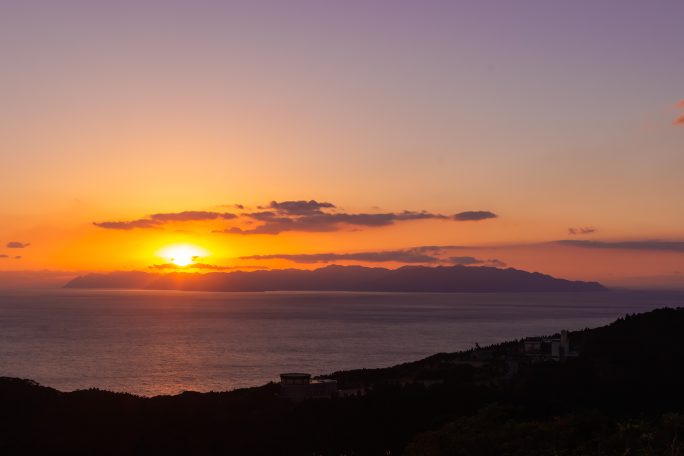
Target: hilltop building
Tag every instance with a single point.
(549, 348)
(299, 386)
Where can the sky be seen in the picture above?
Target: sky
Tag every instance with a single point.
(264, 134)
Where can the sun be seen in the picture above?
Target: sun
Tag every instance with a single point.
(182, 255)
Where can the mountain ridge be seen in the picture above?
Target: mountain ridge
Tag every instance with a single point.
(444, 279)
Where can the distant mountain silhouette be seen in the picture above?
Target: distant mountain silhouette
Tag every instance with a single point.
(444, 279)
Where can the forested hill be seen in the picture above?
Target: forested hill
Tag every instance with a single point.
(342, 278)
(622, 395)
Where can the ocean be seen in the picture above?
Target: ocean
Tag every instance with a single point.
(165, 342)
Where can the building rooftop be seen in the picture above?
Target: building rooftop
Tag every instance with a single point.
(295, 375)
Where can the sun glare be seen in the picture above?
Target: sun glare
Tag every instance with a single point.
(182, 255)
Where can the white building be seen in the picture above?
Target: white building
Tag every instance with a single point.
(549, 348)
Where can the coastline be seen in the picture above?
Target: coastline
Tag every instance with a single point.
(167, 342)
(412, 408)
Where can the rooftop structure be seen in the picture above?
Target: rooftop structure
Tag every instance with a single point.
(549, 348)
(299, 386)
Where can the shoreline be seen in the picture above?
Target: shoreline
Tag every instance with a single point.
(515, 398)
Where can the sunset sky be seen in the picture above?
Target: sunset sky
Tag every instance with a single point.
(541, 135)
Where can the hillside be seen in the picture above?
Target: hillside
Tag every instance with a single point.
(622, 395)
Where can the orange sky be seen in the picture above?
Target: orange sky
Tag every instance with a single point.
(68, 240)
(125, 110)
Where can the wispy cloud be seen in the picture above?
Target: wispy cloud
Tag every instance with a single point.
(582, 230)
(474, 216)
(472, 261)
(234, 206)
(203, 266)
(314, 216)
(289, 216)
(190, 216)
(661, 246)
(128, 225)
(158, 220)
(17, 245)
(301, 207)
(414, 255)
(679, 120)
(401, 256)
(275, 223)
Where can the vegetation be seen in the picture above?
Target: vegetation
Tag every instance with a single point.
(622, 396)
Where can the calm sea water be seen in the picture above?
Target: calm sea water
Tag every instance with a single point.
(159, 342)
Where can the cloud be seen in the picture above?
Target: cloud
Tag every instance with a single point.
(5, 256)
(287, 216)
(474, 216)
(129, 225)
(274, 223)
(679, 120)
(314, 216)
(165, 266)
(300, 207)
(581, 230)
(225, 268)
(472, 261)
(188, 216)
(18, 257)
(202, 266)
(158, 220)
(437, 249)
(415, 255)
(17, 245)
(400, 256)
(2, 255)
(661, 246)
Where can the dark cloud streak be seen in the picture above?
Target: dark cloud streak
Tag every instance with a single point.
(679, 120)
(660, 246)
(188, 216)
(474, 216)
(202, 266)
(401, 256)
(17, 245)
(300, 207)
(415, 255)
(472, 261)
(129, 225)
(308, 216)
(581, 230)
(158, 220)
(288, 216)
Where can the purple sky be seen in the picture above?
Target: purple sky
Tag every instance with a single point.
(553, 114)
